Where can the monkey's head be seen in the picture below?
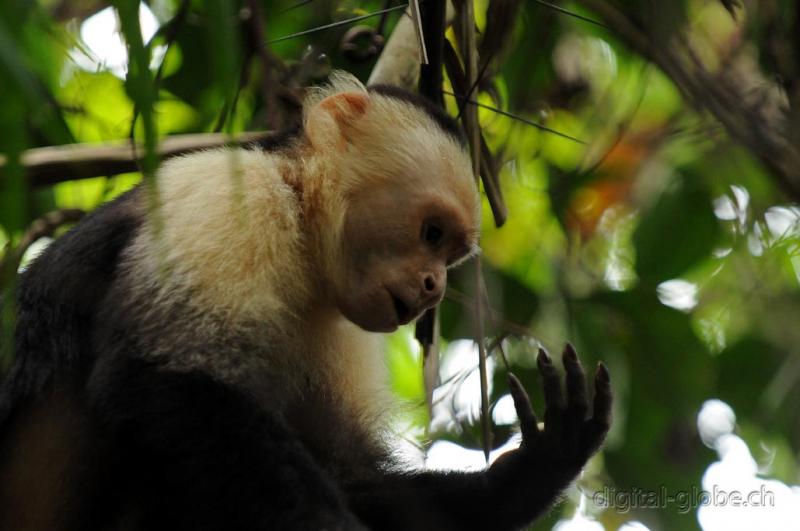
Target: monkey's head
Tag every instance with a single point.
(405, 206)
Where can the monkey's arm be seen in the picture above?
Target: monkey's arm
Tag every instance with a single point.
(202, 455)
(521, 484)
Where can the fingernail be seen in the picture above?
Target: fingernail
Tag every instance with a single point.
(543, 357)
(602, 372)
(569, 352)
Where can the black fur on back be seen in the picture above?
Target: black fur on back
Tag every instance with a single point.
(441, 118)
(279, 140)
(57, 297)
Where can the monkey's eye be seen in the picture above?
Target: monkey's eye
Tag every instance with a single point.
(432, 233)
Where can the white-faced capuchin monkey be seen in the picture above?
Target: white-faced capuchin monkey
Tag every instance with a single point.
(213, 363)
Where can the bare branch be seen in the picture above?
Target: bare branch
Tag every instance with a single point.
(41, 227)
(54, 164)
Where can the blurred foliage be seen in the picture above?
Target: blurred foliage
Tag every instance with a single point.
(642, 234)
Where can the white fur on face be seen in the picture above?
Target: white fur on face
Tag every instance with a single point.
(395, 140)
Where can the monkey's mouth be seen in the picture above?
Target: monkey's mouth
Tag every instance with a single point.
(401, 309)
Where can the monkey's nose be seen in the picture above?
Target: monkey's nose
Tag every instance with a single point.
(429, 283)
(432, 289)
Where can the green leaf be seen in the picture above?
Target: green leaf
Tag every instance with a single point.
(758, 380)
(677, 232)
(139, 83)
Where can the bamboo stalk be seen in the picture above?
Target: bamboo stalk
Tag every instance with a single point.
(469, 52)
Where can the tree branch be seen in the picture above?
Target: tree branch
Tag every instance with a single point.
(54, 164)
(718, 93)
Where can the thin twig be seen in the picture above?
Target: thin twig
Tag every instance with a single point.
(337, 24)
(503, 356)
(467, 302)
(488, 173)
(416, 17)
(517, 117)
(472, 87)
(569, 13)
(491, 185)
(41, 227)
(294, 6)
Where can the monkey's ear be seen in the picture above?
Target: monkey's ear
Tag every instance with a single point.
(330, 122)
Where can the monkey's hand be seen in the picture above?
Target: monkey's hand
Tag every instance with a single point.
(521, 485)
(550, 458)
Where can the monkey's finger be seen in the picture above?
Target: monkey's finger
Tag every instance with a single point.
(528, 423)
(577, 402)
(599, 424)
(553, 399)
(602, 396)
